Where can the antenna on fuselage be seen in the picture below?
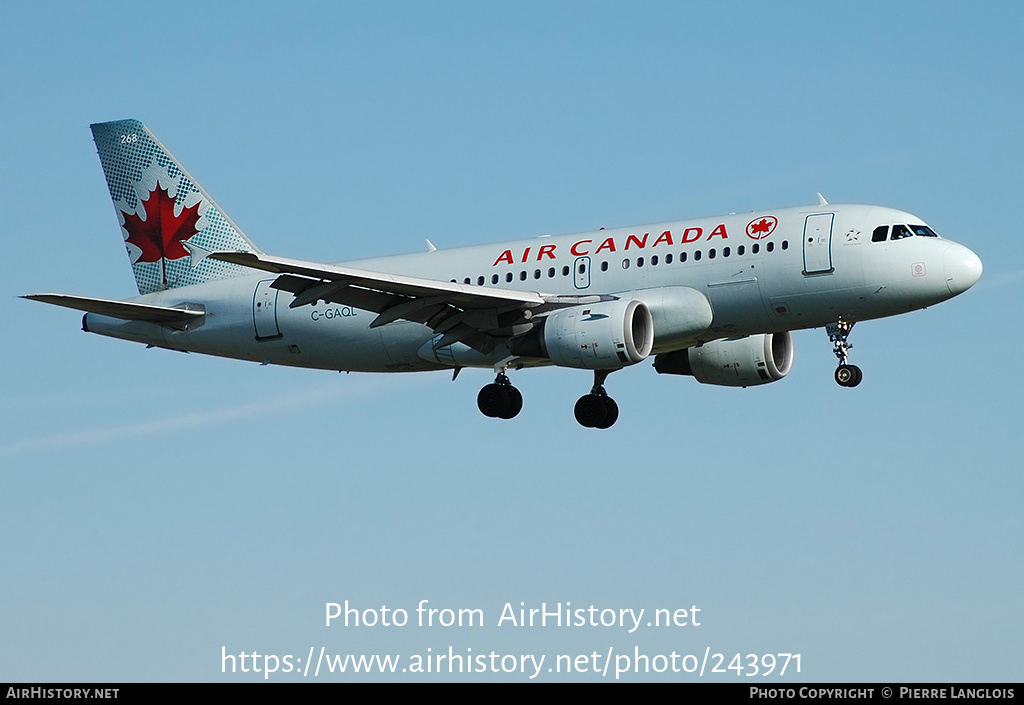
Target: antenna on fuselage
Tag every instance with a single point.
(821, 200)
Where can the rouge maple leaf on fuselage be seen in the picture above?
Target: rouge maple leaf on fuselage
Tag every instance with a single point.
(160, 235)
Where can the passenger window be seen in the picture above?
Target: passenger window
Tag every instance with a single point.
(479, 281)
(494, 279)
(508, 277)
(639, 261)
(654, 261)
(725, 252)
(755, 248)
(536, 274)
(696, 255)
(551, 272)
(881, 234)
(668, 259)
(565, 271)
(770, 247)
(604, 266)
(740, 250)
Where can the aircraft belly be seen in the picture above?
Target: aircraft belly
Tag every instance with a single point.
(809, 310)
(402, 340)
(325, 336)
(334, 336)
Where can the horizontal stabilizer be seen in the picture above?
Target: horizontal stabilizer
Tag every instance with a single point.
(125, 310)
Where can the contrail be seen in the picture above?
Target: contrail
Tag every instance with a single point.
(180, 422)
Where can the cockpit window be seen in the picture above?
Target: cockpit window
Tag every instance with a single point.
(923, 231)
(899, 232)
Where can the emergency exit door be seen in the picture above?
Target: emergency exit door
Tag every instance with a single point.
(264, 311)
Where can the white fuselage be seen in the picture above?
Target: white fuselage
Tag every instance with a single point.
(762, 272)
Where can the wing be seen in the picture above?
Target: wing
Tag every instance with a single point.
(475, 315)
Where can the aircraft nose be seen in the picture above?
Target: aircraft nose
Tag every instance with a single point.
(962, 267)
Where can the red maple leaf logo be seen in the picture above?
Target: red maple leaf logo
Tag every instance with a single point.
(160, 235)
(759, 229)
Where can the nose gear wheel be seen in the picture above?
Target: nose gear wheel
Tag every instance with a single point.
(847, 375)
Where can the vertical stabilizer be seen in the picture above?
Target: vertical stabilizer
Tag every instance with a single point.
(168, 222)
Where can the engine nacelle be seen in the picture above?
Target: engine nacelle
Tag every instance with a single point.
(734, 362)
(602, 336)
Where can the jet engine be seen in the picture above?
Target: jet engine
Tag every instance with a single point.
(733, 362)
(602, 336)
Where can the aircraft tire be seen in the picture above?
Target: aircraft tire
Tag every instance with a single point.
(611, 413)
(848, 375)
(514, 403)
(591, 411)
(492, 400)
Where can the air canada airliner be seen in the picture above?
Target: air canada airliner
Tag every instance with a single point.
(713, 298)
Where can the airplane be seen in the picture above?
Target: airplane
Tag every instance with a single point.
(712, 298)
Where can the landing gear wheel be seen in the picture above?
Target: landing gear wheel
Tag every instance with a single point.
(589, 410)
(611, 413)
(848, 375)
(597, 409)
(515, 403)
(500, 400)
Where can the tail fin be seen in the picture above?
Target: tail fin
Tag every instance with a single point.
(169, 223)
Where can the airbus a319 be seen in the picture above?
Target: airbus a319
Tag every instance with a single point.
(714, 298)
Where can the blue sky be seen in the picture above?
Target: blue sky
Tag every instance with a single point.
(161, 506)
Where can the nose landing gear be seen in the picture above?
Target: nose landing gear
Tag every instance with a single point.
(597, 409)
(500, 400)
(847, 375)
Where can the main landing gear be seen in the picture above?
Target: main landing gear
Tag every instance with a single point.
(847, 375)
(500, 400)
(597, 409)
